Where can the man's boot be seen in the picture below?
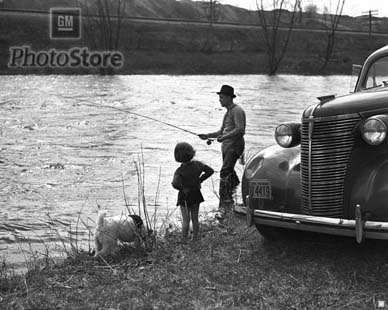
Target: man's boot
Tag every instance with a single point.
(226, 195)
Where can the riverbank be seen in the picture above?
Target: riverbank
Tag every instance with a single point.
(195, 63)
(231, 267)
(161, 47)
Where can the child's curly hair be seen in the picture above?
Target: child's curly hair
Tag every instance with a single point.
(183, 152)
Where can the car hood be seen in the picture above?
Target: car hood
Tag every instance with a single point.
(375, 100)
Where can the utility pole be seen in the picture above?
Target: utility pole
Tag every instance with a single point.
(212, 14)
(370, 14)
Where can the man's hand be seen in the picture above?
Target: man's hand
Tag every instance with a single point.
(203, 136)
(220, 138)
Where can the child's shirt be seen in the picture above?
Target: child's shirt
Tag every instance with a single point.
(190, 175)
(187, 179)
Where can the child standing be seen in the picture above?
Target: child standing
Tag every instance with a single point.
(187, 179)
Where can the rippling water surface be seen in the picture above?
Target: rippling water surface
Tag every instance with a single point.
(60, 157)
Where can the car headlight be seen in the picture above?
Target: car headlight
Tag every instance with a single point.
(374, 130)
(288, 134)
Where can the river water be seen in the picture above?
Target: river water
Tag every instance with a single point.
(63, 152)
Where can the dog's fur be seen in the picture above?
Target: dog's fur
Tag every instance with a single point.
(126, 228)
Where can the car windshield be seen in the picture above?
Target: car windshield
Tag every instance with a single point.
(377, 74)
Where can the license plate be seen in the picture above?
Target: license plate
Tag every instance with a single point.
(260, 189)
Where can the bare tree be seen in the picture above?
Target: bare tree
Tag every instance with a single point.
(102, 23)
(277, 26)
(332, 22)
(311, 10)
(300, 12)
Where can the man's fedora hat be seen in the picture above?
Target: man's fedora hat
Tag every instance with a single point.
(227, 90)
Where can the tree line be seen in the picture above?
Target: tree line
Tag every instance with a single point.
(284, 13)
(277, 19)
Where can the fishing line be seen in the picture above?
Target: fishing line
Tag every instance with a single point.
(93, 104)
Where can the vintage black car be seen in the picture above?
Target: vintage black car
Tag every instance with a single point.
(328, 174)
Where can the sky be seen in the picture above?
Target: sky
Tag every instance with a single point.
(351, 7)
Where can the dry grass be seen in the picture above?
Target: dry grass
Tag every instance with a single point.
(231, 267)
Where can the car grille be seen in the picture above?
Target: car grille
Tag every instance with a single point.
(332, 143)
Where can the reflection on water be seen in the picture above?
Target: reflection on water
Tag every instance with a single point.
(61, 157)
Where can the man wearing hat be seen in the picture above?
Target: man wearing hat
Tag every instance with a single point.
(231, 135)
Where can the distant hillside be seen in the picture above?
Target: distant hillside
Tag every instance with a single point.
(184, 47)
(185, 9)
(196, 10)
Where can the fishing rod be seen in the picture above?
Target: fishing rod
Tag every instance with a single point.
(93, 104)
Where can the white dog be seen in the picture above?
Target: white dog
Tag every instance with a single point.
(109, 230)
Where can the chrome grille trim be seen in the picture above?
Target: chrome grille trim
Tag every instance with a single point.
(323, 171)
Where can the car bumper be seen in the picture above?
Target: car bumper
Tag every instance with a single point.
(333, 226)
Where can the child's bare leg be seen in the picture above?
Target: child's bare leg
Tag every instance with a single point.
(194, 210)
(185, 221)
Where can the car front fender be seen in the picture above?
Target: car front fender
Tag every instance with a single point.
(281, 167)
(370, 191)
